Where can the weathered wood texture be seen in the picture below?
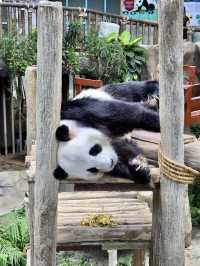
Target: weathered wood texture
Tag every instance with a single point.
(48, 100)
(132, 216)
(30, 89)
(149, 141)
(168, 246)
(112, 257)
(139, 257)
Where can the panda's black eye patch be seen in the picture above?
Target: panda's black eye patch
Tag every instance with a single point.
(96, 149)
(93, 170)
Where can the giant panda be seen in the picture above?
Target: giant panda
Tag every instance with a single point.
(150, 5)
(92, 132)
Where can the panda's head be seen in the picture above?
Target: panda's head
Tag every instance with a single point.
(83, 152)
(138, 3)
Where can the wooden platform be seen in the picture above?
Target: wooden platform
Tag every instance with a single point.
(132, 216)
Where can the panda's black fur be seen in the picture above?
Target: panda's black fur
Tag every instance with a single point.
(116, 117)
(133, 91)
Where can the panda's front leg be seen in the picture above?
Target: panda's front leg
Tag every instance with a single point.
(132, 164)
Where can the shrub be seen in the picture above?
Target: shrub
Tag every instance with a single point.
(19, 53)
(194, 189)
(134, 53)
(107, 59)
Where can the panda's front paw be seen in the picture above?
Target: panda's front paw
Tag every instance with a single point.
(139, 162)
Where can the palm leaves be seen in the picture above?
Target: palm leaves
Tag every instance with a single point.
(14, 237)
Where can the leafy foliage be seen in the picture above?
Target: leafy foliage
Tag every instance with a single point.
(19, 53)
(194, 189)
(194, 196)
(13, 238)
(134, 53)
(70, 262)
(74, 35)
(108, 61)
(196, 130)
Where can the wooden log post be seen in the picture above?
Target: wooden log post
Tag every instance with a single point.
(30, 89)
(168, 243)
(112, 257)
(48, 101)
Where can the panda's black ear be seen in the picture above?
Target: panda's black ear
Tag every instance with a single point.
(62, 133)
(59, 173)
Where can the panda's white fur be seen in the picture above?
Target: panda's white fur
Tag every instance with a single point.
(74, 157)
(95, 94)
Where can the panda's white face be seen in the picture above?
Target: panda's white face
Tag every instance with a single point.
(88, 153)
(138, 3)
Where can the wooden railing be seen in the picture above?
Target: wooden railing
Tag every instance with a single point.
(20, 19)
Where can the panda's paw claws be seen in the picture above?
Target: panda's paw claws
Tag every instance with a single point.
(139, 162)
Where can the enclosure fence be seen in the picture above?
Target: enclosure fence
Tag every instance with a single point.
(20, 19)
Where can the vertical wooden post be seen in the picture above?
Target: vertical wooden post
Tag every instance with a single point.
(112, 257)
(48, 101)
(170, 240)
(30, 89)
(139, 257)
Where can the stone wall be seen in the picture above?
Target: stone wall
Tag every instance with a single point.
(191, 57)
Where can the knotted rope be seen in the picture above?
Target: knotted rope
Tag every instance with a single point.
(176, 171)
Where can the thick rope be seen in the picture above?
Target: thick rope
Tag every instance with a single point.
(176, 171)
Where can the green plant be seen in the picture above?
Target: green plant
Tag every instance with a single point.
(71, 262)
(107, 60)
(194, 197)
(196, 130)
(73, 38)
(134, 53)
(13, 238)
(19, 53)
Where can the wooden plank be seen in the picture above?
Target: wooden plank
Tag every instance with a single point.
(69, 234)
(195, 103)
(48, 102)
(169, 240)
(109, 187)
(149, 145)
(126, 245)
(95, 195)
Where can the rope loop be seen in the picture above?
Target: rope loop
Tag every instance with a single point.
(175, 171)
